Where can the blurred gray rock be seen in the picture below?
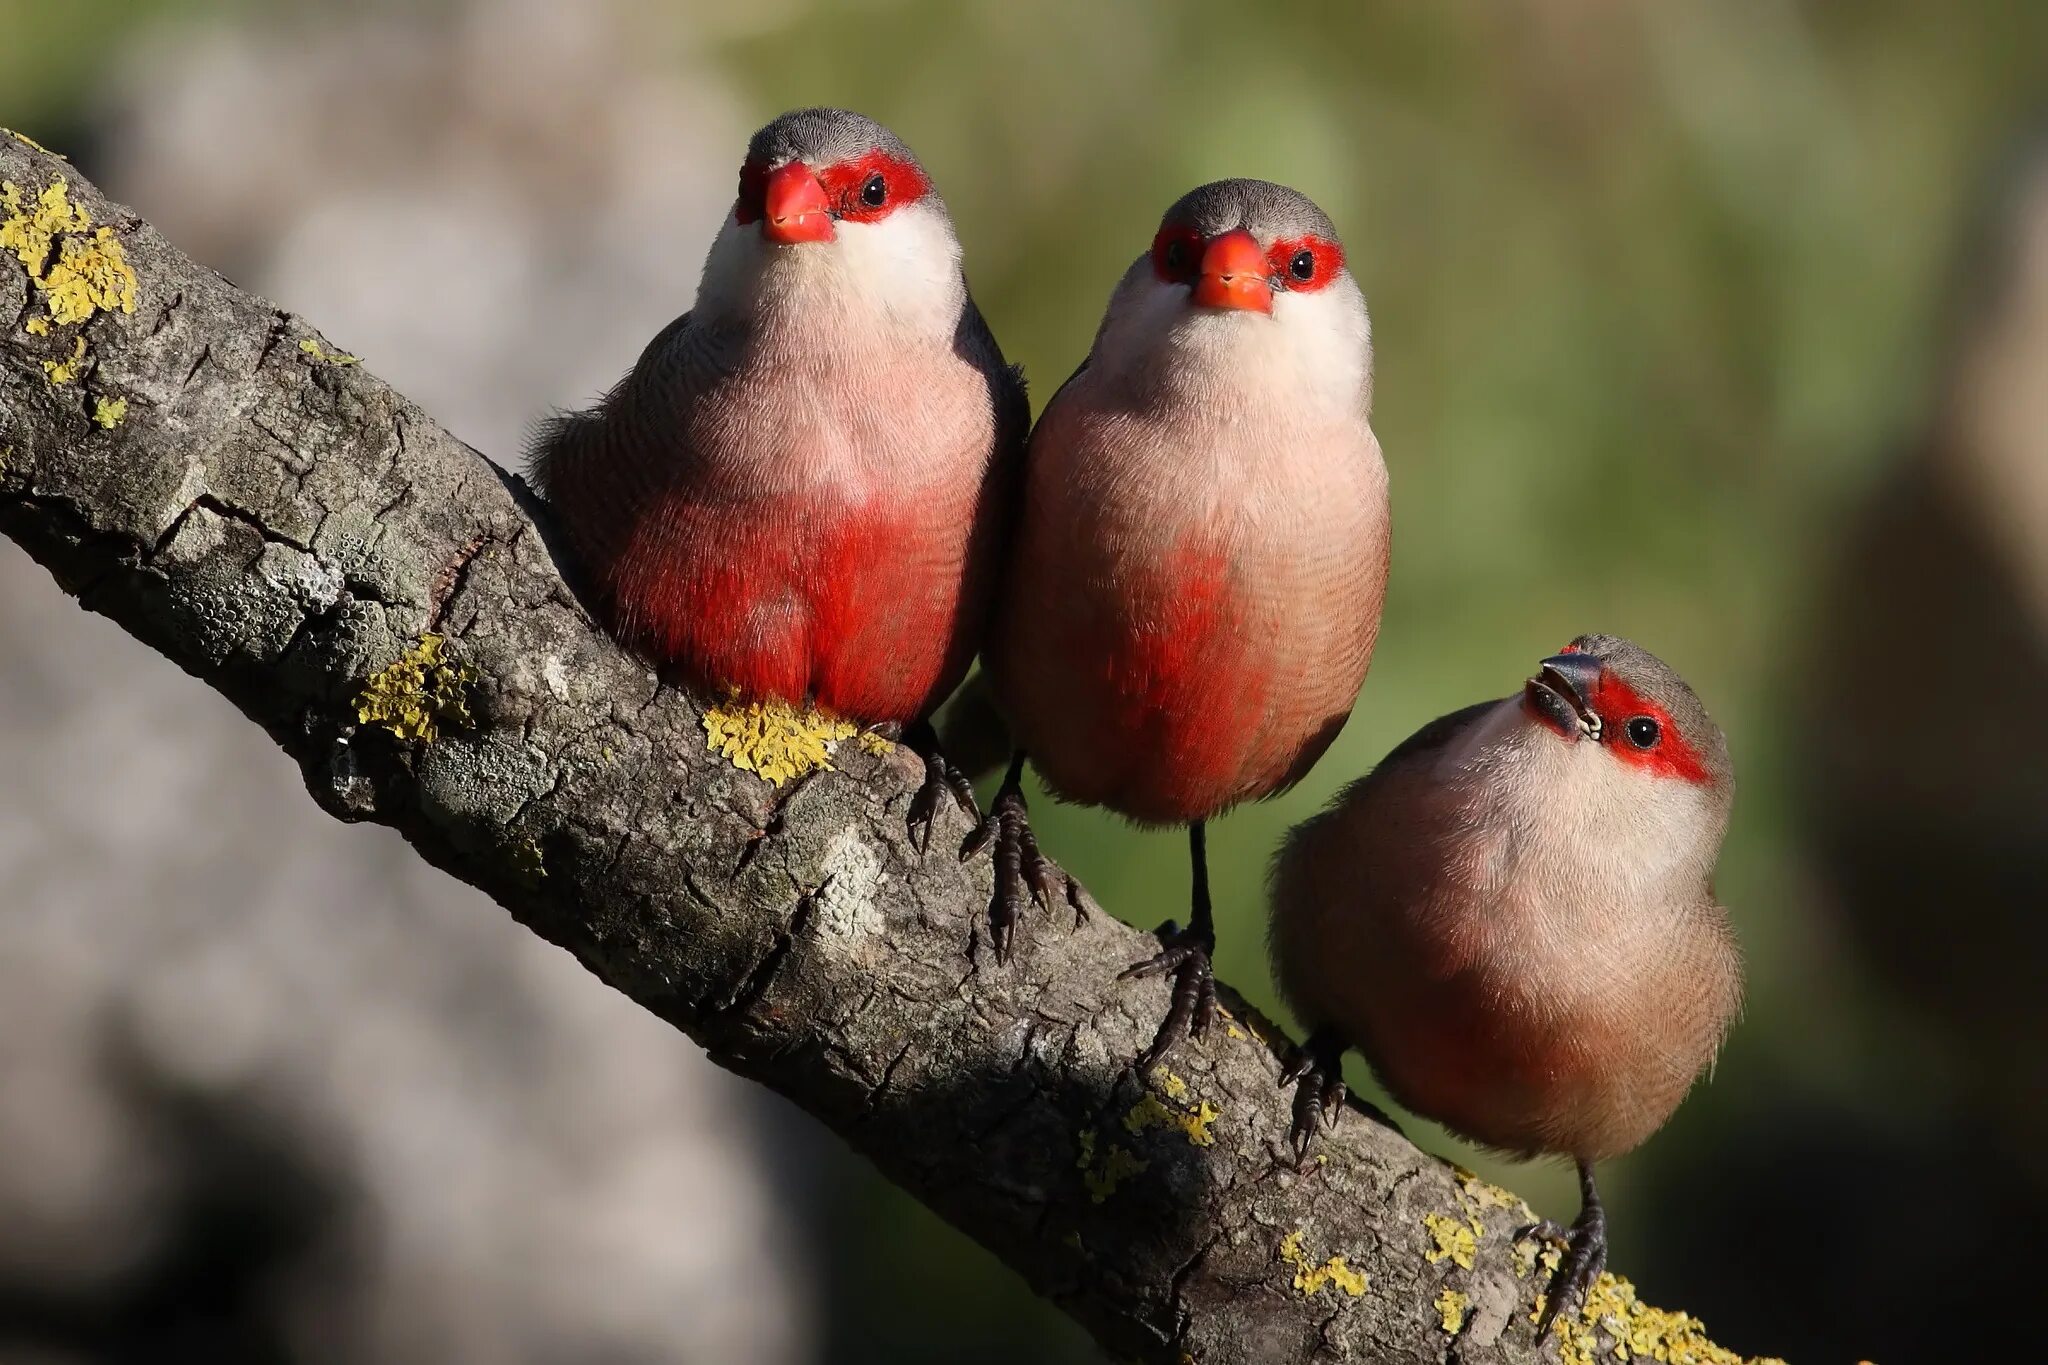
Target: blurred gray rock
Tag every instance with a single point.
(274, 1089)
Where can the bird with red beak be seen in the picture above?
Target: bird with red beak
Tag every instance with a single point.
(1195, 587)
(1513, 920)
(800, 492)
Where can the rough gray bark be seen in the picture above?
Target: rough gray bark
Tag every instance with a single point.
(284, 526)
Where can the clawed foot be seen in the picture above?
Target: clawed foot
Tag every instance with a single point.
(1186, 955)
(941, 779)
(1317, 1074)
(1585, 1256)
(1021, 870)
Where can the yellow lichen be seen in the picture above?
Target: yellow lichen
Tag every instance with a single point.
(1485, 1193)
(30, 232)
(418, 694)
(1192, 1120)
(872, 743)
(1309, 1278)
(91, 274)
(772, 739)
(315, 350)
(65, 370)
(1117, 1164)
(28, 141)
(1613, 1317)
(1530, 1252)
(1450, 1308)
(109, 412)
(1457, 1240)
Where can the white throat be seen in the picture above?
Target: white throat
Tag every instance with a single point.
(892, 280)
(1313, 351)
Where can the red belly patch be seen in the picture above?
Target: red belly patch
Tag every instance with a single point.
(852, 606)
(1188, 693)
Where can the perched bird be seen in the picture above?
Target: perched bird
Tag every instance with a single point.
(800, 492)
(1195, 587)
(1513, 919)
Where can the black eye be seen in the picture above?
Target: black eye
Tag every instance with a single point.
(1177, 254)
(1303, 266)
(1644, 732)
(875, 191)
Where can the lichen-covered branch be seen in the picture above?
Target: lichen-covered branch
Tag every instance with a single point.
(242, 496)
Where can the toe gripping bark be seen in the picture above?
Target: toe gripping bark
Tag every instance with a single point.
(1022, 872)
(1585, 1251)
(941, 779)
(1186, 954)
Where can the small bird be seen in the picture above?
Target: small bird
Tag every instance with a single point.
(1195, 587)
(1513, 920)
(801, 491)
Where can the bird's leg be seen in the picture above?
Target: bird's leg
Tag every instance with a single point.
(1317, 1074)
(1186, 955)
(941, 779)
(1020, 867)
(1585, 1251)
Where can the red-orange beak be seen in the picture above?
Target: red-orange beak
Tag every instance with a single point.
(1233, 274)
(796, 209)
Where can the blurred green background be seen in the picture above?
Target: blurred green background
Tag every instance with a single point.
(1659, 295)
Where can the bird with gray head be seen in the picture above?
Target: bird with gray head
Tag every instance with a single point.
(1513, 920)
(800, 492)
(1195, 587)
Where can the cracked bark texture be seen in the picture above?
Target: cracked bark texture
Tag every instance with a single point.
(282, 526)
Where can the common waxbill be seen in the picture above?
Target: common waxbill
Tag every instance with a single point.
(799, 493)
(1195, 585)
(1513, 920)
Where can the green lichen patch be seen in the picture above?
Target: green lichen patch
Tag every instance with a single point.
(1310, 1278)
(526, 863)
(772, 740)
(1450, 1310)
(327, 357)
(418, 694)
(1101, 1175)
(109, 412)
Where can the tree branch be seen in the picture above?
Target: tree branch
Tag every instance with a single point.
(284, 526)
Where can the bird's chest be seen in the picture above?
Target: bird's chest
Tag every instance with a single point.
(850, 423)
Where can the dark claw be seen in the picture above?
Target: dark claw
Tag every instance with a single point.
(1021, 870)
(1585, 1254)
(1194, 991)
(1318, 1068)
(941, 779)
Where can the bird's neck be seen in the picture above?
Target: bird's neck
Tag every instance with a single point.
(887, 284)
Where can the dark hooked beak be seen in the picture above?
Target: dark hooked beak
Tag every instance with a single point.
(1561, 694)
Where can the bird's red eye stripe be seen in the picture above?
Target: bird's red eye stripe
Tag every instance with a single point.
(1177, 255)
(846, 186)
(753, 192)
(1324, 259)
(1670, 756)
